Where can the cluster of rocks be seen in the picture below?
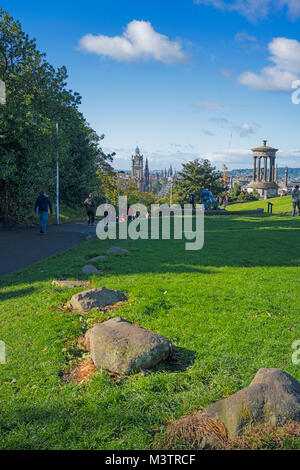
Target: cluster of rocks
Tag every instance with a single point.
(117, 345)
(272, 398)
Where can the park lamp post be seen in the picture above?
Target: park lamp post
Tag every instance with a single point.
(57, 179)
(2, 93)
(118, 179)
(171, 194)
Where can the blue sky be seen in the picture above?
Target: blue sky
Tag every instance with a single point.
(178, 77)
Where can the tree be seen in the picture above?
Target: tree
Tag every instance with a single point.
(156, 186)
(194, 177)
(37, 99)
(235, 191)
(245, 196)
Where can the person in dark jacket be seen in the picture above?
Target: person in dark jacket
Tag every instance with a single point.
(41, 207)
(296, 200)
(90, 206)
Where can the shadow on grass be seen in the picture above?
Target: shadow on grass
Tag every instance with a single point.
(181, 360)
(230, 241)
(16, 293)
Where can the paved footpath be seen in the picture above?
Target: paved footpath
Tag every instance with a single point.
(22, 247)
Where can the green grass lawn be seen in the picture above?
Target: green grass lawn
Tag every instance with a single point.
(230, 309)
(67, 214)
(282, 205)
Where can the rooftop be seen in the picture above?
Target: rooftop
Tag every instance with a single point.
(264, 148)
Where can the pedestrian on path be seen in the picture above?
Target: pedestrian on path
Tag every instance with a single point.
(225, 202)
(296, 200)
(90, 206)
(41, 208)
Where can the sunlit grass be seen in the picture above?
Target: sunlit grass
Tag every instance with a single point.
(281, 205)
(230, 309)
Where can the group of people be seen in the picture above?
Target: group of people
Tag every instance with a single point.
(43, 205)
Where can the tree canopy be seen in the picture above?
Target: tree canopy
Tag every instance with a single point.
(194, 177)
(37, 99)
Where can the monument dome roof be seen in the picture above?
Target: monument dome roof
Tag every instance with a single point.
(264, 148)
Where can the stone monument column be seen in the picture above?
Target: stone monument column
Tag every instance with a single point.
(273, 170)
(265, 168)
(258, 169)
(254, 168)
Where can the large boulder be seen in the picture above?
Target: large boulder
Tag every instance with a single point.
(272, 398)
(96, 298)
(90, 269)
(115, 250)
(121, 347)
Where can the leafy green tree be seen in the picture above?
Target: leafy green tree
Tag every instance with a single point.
(194, 177)
(37, 99)
(156, 186)
(235, 191)
(245, 196)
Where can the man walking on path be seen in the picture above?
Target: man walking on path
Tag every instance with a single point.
(296, 200)
(90, 209)
(41, 207)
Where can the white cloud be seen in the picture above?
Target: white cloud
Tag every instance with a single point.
(243, 36)
(211, 105)
(285, 67)
(226, 73)
(256, 9)
(138, 42)
(244, 130)
(235, 158)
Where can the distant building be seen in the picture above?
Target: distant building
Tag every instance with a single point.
(146, 183)
(137, 165)
(141, 176)
(263, 179)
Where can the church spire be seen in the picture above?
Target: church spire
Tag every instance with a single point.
(146, 177)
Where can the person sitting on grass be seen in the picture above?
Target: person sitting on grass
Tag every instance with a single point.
(296, 200)
(41, 207)
(90, 205)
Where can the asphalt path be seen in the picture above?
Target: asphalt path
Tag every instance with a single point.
(21, 247)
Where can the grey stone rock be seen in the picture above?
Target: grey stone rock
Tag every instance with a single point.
(98, 258)
(121, 347)
(70, 283)
(272, 398)
(115, 250)
(96, 298)
(90, 269)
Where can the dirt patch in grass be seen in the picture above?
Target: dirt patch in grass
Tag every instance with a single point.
(195, 432)
(204, 433)
(267, 437)
(81, 373)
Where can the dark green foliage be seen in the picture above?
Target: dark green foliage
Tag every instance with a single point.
(235, 191)
(237, 194)
(196, 176)
(37, 99)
